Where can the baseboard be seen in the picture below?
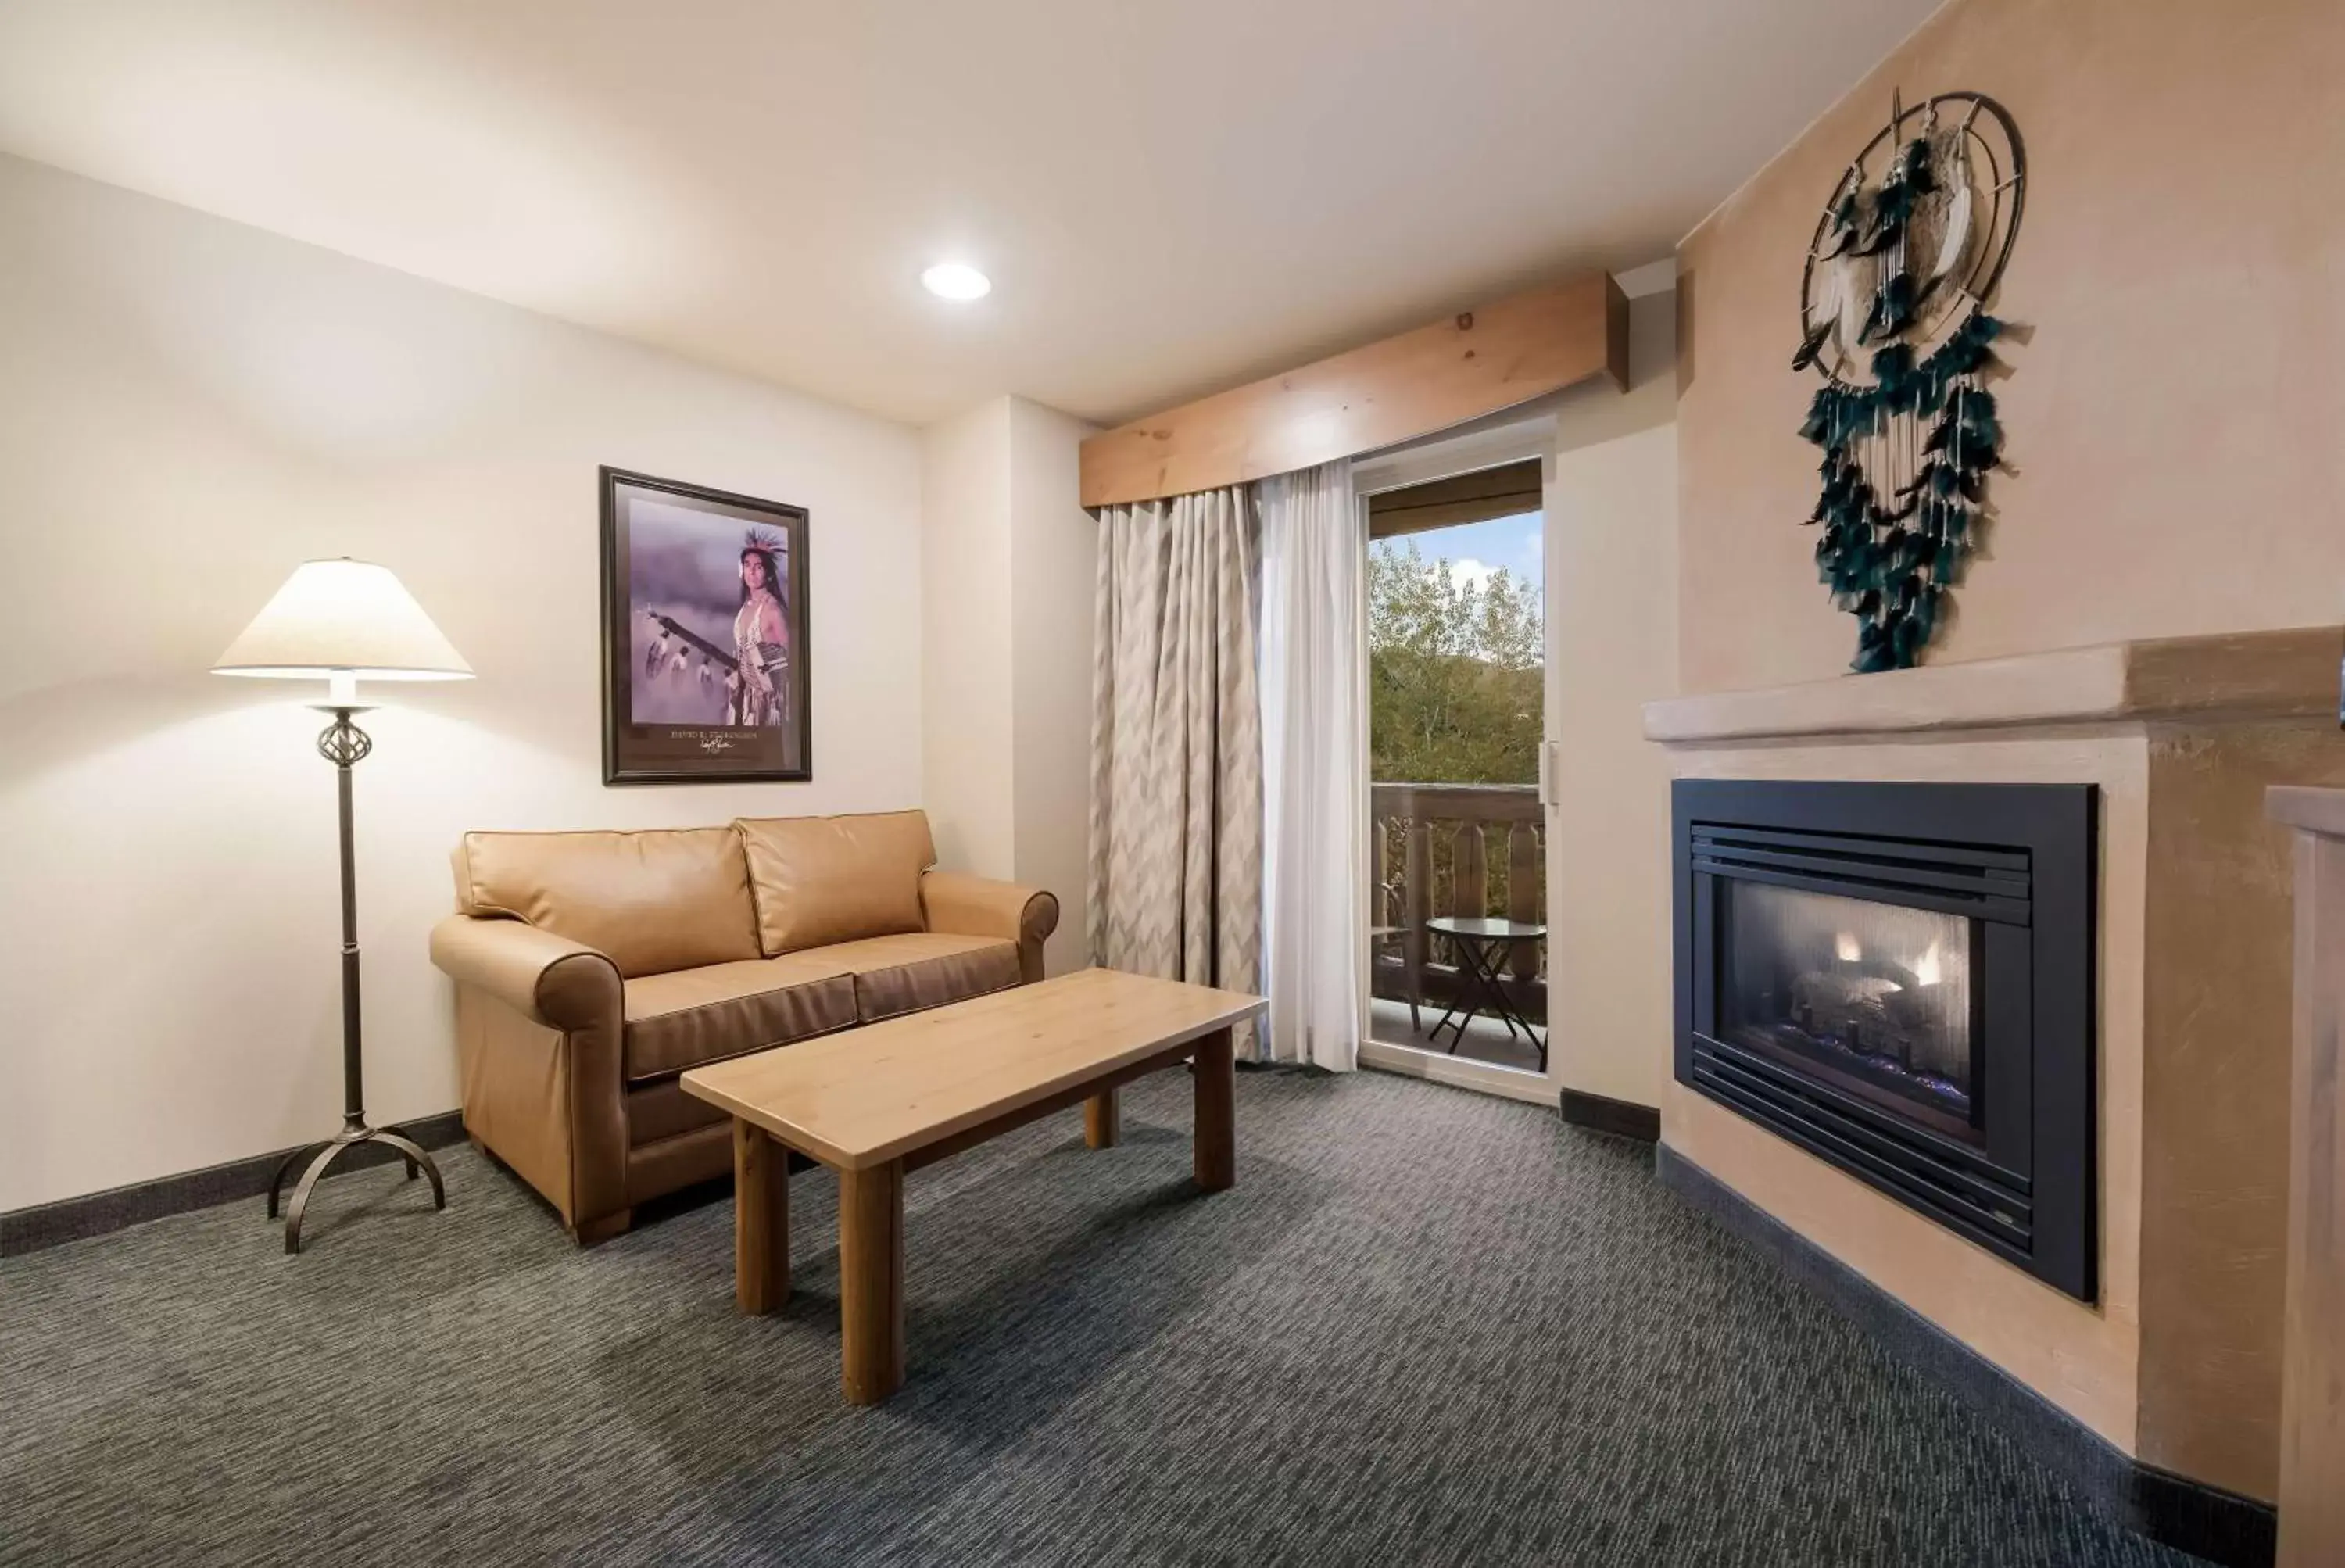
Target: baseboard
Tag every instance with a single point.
(2205, 1520)
(1622, 1118)
(74, 1218)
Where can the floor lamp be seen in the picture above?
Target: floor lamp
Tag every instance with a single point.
(338, 621)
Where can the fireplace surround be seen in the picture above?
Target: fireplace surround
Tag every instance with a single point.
(1899, 978)
(2173, 1367)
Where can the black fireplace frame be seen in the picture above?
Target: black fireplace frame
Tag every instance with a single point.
(2019, 861)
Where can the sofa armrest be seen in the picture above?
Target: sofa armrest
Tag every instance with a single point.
(541, 1029)
(547, 978)
(980, 906)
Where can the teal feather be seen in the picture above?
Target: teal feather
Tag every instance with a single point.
(1890, 561)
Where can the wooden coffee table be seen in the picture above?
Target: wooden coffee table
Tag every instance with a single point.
(876, 1102)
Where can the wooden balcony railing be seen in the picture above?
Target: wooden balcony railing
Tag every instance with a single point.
(1472, 849)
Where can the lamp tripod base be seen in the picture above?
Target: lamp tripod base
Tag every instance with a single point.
(418, 1162)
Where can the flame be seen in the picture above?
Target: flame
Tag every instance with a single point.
(1928, 971)
(1845, 949)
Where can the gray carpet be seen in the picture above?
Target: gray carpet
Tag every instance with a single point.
(1425, 1328)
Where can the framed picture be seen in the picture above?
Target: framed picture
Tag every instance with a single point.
(704, 636)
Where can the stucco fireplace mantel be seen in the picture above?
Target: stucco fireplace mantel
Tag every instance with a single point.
(2176, 1363)
(2281, 676)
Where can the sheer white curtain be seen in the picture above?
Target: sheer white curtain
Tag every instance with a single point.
(1315, 757)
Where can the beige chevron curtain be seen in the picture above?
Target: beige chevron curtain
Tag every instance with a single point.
(1176, 743)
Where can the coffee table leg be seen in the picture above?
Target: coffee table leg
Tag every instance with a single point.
(761, 1220)
(1216, 1070)
(871, 1282)
(1102, 1121)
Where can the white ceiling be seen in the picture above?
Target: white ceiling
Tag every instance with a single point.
(1170, 197)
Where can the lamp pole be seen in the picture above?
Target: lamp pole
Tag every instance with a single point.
(344, 744)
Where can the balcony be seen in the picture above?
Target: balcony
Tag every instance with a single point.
(1470, 850)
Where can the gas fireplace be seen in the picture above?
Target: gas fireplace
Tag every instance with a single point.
(1898, 979)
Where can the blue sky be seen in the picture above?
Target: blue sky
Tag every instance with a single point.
(1478, 549)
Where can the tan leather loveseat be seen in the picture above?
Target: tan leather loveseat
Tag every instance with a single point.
(593, 968)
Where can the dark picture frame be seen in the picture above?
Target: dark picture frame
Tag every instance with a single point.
(681, 564)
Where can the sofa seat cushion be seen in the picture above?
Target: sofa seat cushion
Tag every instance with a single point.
(660, 1110)
(689, 1016)
(919, 969)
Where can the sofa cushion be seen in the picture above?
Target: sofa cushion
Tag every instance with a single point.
(661, 1109)
(688, 1016)
(823, 880)
(652, 901)
(906, 972)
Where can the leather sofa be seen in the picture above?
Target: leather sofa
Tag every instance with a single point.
(592, 968)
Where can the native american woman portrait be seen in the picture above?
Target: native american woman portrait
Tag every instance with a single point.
(704, 634)
(760, 636)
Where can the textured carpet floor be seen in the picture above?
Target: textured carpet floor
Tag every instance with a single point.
(1425, 1328)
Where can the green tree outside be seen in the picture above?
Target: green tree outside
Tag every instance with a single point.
(1456, 687)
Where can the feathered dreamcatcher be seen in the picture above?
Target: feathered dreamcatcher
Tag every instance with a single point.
(1893, 312)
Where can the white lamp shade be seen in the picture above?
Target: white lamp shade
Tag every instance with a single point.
(343, 618)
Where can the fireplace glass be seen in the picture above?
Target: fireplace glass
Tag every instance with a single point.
(1875, 998)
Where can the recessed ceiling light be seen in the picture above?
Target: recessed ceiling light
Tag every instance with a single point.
(952, 280)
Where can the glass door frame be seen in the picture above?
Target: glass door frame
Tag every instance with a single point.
(1513, 437)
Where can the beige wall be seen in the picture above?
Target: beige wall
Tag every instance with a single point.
(2173, 417)
(187, 408)
(965, 763)
(1007, 651)
(1054, 563)
(1611, 605)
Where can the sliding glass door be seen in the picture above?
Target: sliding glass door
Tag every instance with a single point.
(1457, 698)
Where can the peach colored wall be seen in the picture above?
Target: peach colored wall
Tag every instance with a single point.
(2215, 1096)
(2177, 420)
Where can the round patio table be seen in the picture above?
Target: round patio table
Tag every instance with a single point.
(1482, 945)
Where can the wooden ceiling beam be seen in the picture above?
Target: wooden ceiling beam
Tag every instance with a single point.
(1459, 368)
